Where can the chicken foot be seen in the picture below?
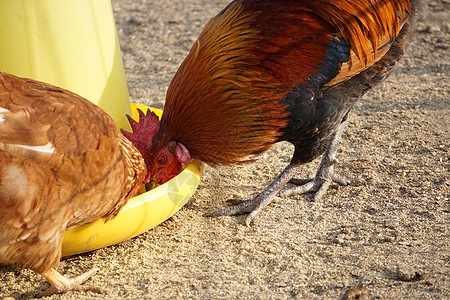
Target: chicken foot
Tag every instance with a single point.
(324, 176)
(254, 206)
(62, 284)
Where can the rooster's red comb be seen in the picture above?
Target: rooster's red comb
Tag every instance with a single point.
(143, 130)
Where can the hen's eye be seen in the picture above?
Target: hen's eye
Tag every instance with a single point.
(161, 160)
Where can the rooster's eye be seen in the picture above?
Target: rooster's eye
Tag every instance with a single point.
(161, 160)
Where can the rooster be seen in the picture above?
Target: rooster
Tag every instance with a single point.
(265, 71)
(62, 164)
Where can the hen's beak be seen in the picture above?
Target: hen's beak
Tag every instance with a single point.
(152, 183)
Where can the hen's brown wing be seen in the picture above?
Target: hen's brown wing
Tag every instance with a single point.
(45, 123)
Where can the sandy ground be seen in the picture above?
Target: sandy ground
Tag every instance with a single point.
(389, 229)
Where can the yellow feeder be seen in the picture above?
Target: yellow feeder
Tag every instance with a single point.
(73, 44)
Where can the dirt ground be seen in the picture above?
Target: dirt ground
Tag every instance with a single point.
(389, 229)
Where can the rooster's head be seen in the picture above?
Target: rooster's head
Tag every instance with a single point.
(163, 163)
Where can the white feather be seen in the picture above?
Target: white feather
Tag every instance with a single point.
(45, 149)
(2, 119)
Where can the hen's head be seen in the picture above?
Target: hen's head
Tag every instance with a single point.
(163, 161)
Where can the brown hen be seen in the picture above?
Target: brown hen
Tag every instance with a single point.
(62, 164)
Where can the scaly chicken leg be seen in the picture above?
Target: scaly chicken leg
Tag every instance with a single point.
(254, 206)
(62, 284)
(324, 177)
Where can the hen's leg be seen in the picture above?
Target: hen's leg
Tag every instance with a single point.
(324, 176)
(62, 284)
(254, 206)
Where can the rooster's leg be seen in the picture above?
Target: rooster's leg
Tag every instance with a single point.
(62, 284)
(254, 206)
(319, 184)
(324, 176)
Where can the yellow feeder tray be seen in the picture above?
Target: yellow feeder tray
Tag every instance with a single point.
(141, 213)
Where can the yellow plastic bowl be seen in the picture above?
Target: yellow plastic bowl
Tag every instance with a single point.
(141, 213)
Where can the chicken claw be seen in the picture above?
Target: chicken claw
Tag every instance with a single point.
(254, 206)
(62, 284)
(324, 177)
(319, 184)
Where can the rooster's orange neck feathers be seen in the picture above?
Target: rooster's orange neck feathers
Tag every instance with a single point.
(217, 103)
